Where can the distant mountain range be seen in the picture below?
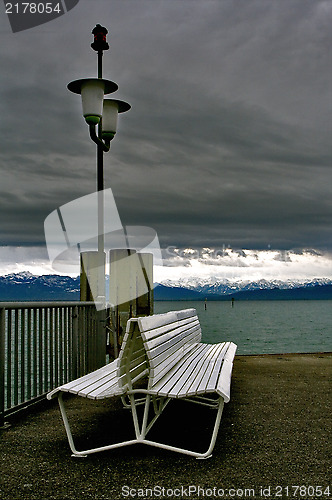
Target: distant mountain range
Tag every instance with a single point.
(27, 287)
(315, 292)
(223, 289)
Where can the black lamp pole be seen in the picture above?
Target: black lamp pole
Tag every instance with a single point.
(89, 88)
(99, 45)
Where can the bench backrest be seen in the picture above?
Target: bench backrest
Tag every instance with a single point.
(132, 364)
(153, 344)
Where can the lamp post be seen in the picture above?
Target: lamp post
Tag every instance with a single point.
(101, 115)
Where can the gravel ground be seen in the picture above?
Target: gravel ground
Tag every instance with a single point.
(274, 442)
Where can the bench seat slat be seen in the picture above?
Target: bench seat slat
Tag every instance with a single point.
(208, 365)
(93, 379)
(213, 380)
(176, 385)
(88, 386)
(86, 389)
(186, 370)
(201, 374)
(165, 364)
(224, 382)
(174, 380)
(177, 389)
(106, 372)
(107, 389)
(194, 385)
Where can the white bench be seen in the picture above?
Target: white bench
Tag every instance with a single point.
(161, 358)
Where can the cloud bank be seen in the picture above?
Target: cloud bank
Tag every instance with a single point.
(228, 141)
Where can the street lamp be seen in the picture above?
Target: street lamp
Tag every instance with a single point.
(101, 115)
(92, 91)
(97, 110)
(111, 109)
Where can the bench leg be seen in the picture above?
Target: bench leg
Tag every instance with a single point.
(208, 454)
(67, 427)
(195, 454)
(158, 406)
(141, 433)
(85, 453)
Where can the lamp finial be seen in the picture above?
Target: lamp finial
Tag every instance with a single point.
(99, 43)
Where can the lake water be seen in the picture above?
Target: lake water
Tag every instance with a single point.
(263, 327)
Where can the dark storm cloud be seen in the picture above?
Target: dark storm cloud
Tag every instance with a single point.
(228, 139)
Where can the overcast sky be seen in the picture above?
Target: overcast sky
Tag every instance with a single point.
(228, 142)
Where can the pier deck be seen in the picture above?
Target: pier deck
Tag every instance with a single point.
(275, 432)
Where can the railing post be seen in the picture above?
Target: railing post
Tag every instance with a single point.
(90, 335)
(101, 339)
(75, 342)
(2, 365)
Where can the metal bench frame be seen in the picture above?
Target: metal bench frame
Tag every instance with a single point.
(164, 353)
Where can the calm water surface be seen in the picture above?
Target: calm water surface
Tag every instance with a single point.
(263, 327)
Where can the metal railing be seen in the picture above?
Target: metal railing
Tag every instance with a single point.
(45, 344)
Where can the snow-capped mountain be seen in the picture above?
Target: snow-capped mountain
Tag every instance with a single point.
(215, 286)
(25, 286)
